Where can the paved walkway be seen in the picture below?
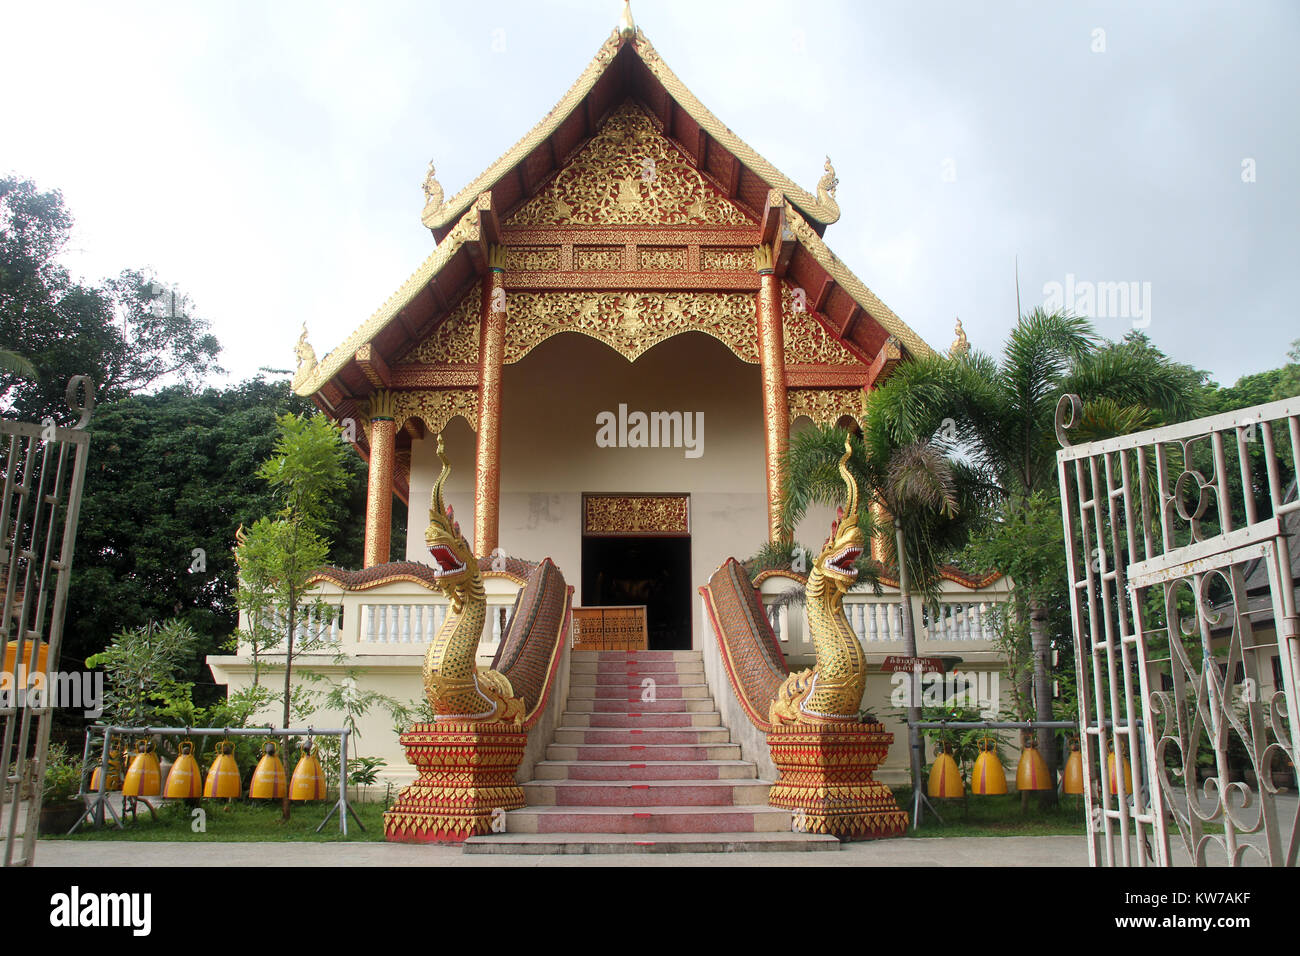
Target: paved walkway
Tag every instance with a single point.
(955, 851)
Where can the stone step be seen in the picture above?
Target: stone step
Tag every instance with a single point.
(704, 718)
(637, 679)
(646, 770)
(644, 667)
(654, 793)
(622, 705)
(633, 692)
(646, 819)
(537, 844)
(676, 736)
(638, 655)
(639, 753)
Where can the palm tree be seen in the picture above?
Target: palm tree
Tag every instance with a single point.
(1004, 414)
(15, 364)
(926, 502)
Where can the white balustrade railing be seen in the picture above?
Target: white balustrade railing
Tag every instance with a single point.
(315, 625)
(877, 621)
(419, 623)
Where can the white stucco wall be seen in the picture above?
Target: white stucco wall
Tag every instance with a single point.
(549, 455)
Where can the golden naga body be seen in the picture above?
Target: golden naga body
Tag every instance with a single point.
(831, 691)
(458, 689)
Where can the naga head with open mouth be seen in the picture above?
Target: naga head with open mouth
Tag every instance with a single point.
(453, 558)
(838, 559)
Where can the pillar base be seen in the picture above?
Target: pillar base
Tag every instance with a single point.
(466, 776)
(826, 779)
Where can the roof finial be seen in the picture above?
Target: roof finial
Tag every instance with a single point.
(626, 28)
(306, 354)
(826, 185)
(960, 345)
(432, 188)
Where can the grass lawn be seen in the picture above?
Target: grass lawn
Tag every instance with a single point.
(242, 821)
(248, 821)
(977, 816)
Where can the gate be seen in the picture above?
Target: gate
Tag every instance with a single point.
(1186, 639)
(42, 468)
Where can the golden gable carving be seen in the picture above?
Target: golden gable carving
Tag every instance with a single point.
(455, 340)
(631, 322)
(629, 174)
(806, 340)
(825, 406)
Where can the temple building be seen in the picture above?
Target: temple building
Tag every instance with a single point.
(622, 322)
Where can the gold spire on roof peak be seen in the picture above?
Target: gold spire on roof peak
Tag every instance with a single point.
(960, 345)
(626, 26)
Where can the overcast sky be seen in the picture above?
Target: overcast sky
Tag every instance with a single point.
(267, 157)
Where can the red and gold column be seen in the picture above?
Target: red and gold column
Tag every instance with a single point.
(492, 345)
(379, 488)
(776, 413)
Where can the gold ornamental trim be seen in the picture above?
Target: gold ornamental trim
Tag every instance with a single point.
(435, 407)
(456, 339)
(825, 406)
(629, 174)
(648, 514)
(807, 341)
(631, 323)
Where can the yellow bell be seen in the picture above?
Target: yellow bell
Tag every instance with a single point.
(1110, 773)
(1072, 779)
(223, 775)
(184, 779)
(144, 778)
(945, 778)
(114, 773)
(268, 776)
(308, 781)
(988, 778)
(1032, 772)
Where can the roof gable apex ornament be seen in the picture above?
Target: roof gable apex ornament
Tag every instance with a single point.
(960, 345)
(626, 26)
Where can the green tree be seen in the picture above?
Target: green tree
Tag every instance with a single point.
(14, 364)
(171, 477)
(1288, 384)
(142, 669)
(1003, 414)
(117, 331)
(278, 554)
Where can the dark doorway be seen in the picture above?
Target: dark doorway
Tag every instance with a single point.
(652, 571)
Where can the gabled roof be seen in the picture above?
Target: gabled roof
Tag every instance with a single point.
(625, 66)
(821, 208)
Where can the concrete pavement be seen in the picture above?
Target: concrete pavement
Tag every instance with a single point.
(954, 851)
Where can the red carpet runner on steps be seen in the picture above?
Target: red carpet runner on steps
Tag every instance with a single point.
(642, 762)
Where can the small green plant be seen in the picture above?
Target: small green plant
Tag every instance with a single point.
(62, 775)
(363, 772)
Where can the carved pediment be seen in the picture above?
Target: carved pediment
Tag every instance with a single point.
(629, 174)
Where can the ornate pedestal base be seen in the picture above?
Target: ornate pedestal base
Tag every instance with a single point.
(466, 774)
(826, 780)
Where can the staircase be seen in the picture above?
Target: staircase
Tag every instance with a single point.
(642, 763)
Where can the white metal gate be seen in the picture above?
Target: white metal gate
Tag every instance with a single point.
(42, 468)
(1187, 642)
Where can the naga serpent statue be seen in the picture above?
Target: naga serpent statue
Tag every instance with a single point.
(831, 691)
(458, 689)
